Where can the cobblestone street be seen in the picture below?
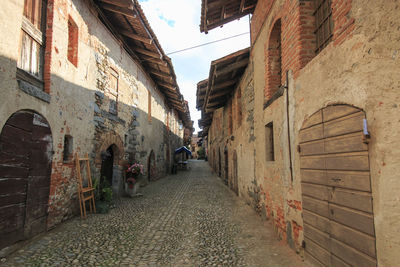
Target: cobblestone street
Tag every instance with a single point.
(188, 219)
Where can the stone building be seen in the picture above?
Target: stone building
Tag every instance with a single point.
(306, 131)
(79, 76)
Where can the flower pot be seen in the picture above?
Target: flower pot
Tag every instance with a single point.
(132, 189)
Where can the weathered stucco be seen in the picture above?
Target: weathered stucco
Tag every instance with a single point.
(360, 68)
(79, 101)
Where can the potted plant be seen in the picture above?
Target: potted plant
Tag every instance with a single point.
(132, 183)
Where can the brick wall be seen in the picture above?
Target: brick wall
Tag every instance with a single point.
(297, 35)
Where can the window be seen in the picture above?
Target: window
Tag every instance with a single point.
(32, 38)
(269, 142)
(323, 24)
(113, 91)
(73, 36)
(274, 64)
(68, 148)
(149, 106)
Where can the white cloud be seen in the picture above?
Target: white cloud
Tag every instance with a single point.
(176, 24)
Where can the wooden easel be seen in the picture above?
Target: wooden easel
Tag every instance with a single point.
(85, 193)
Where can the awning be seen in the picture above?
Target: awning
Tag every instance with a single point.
(183, 149)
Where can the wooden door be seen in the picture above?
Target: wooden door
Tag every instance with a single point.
(336, 189)
(235, 186)
(25, 168)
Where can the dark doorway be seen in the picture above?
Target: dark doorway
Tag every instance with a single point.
(226, 166)
(219, 163)
(151, 166)
(235, 184)
(107, 162)
(26, 151)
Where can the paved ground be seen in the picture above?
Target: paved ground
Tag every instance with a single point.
(188, 219)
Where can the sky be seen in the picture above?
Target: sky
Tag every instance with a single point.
(176, 25)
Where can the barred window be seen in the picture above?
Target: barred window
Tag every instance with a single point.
(32, 38)
(323, 24)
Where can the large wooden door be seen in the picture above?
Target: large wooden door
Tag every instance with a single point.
(25, 168)
(336, 189)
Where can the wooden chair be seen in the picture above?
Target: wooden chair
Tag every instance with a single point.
(85, 193)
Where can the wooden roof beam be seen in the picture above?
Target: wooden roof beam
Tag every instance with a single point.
(219, 94)
(228, 19)
(147, 53)
(173, 88)
(218, 4)
(119, 10)
(157, 61)
(205, 16)
(161, 74)
(120, 3)
(223, 12)
(136, 37)
(170, 94)
(241, 6)
(232, 67)
(225, 84)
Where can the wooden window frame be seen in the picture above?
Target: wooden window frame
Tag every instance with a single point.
(323, 24)
(33, 32)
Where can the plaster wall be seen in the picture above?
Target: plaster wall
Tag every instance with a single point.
(359, 67)
(79, 100)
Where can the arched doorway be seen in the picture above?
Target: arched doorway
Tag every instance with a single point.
(235, 184)
(336, 188)
(107, 165)
(26, 151)
(151, 166)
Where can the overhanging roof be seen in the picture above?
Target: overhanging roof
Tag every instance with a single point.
(224, 75)
(201, 93)
(126, 20)
(215, 13)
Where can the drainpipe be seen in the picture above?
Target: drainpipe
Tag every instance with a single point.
(288, 126)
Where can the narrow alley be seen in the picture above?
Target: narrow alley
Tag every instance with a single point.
(188, 219)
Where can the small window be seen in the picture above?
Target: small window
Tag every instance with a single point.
(269, 142)
(113, 91)
(274, 64)
(323, 24)
(73, 36)
(68, 147)
(149, 106)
